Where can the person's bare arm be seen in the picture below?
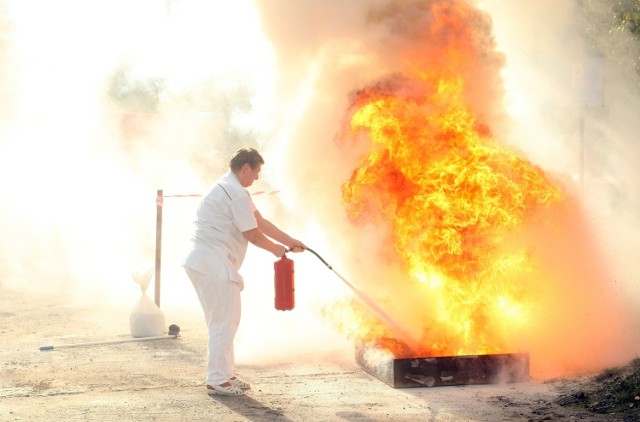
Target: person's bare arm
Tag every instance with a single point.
(258, 238)
(270, 230)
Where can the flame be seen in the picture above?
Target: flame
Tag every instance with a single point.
(451, 198)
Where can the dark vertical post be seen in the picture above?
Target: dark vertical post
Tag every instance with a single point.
(159, 203)
(582, 150)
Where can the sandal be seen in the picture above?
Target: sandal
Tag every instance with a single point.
(239, 383)
(225, 390)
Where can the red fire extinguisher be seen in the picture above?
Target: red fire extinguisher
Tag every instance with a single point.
(284, 284)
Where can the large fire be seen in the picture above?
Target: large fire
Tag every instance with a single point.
(449, 197)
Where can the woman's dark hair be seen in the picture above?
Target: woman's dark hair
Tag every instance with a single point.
(244, 156)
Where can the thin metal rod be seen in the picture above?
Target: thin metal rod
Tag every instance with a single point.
(159, 203)
(582, 150)
(95, 343)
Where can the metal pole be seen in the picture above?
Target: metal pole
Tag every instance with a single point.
(159, 201)
(582, 151)
(95, 343)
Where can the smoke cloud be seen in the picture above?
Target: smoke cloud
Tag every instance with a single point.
(102, 109)
(546, 91)
(571, 92)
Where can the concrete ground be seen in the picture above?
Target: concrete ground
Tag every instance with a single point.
(162, 380)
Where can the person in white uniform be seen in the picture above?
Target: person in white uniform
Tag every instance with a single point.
(226, 221)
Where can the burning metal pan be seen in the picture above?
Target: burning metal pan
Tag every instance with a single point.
(443, 370)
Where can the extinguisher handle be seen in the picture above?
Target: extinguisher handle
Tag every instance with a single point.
(319, 257)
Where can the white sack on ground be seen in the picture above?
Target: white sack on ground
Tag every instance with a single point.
(146, 319)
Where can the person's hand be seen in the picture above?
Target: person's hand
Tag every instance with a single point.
(279, 250)
(297, 246)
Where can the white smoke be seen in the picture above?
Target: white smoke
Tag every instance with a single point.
(104, 103)
(574, 93)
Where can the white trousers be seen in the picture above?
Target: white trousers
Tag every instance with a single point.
(220, 300)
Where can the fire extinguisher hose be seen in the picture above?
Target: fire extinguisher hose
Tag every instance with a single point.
(351, 286)
(320, 258)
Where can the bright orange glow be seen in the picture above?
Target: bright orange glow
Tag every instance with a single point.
(451, 196)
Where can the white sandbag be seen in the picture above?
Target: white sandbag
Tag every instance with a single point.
(146, 319)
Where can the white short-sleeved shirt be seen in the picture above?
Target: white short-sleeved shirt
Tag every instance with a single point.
(218, 243)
